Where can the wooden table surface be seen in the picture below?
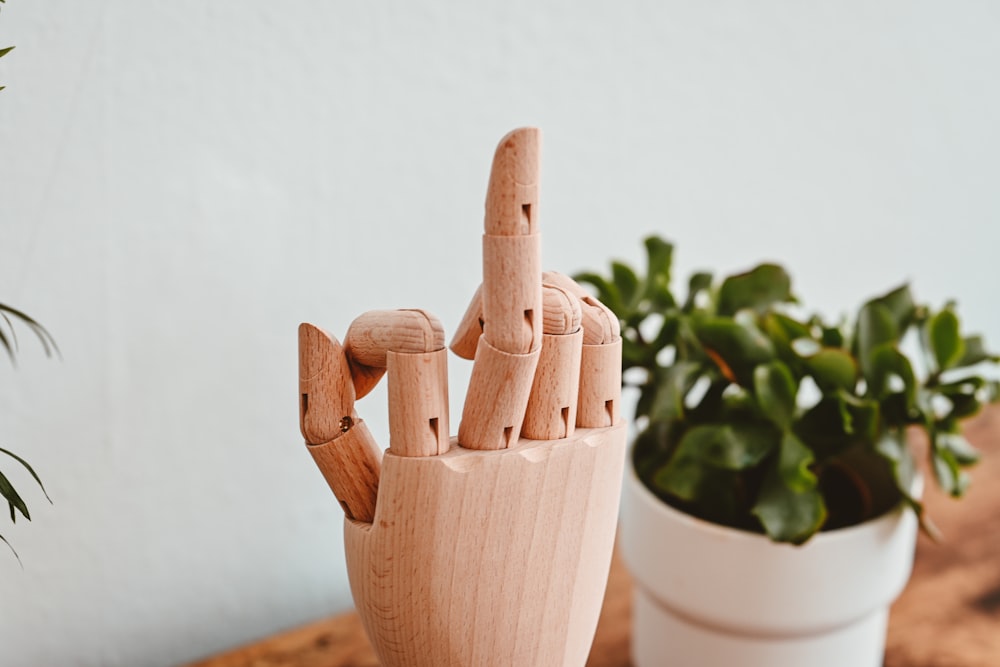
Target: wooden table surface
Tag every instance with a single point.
(948, 616)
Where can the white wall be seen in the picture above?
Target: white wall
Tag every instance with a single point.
(183, 183)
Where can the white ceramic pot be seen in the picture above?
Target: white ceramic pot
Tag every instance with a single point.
(707, 595)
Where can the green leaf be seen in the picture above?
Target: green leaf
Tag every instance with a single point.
(44, 337)
(736, 347)
(668, 404)
(892, 447)
(833, 368)
(659, 257)
(794, 460)
(4, 539)
(775, 389)
(876, 327)
(887, 361)
(8, 491)
(759, 289)
(682, 477)
(975, 352)
(965, 396)
(861, 415)
(945, 341)
(5, 51)
(788, 515)
(960, 448)
(899, 302)
(699, 282)
(785, 328)
(29, 469)
(626, 281)
(831, 336)
(728, 446)
(948, 472)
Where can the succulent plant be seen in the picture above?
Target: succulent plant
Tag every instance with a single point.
(754, 416)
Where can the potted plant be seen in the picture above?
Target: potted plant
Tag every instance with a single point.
(771, 499)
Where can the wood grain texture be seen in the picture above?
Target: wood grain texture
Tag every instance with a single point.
(512, 293)
(508, 350)
(374, 333)
(326, 390)
(561, 311)
(512, 194)
(948, 615)
(497, 398)
(489, 558)
(561, 314)
(351, 465)
(470, 328)
(552, 404)
(600, 324)
(600, 385)
(418, 403)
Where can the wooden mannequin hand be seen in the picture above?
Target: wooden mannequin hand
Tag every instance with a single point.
(491, 548)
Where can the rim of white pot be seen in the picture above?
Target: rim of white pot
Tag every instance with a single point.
(746, 583)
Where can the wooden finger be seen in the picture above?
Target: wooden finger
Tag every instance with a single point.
(600, 385)
(374, 333)
(351, 464)
(600, 324)
(552, 405)
(466, 337)
(326, 390)
(512, 292)
(418, 403)
(497, 398)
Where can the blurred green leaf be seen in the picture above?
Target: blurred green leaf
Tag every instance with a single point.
(831, 336)
(733, 447)
(668, 405)
(832, 369)
(759, 289)
(975, 352)
(862, 415)
(775, 389)
(5, 51)
(627, 283)
(659, 258)
(945, 340)
(794, 460)
(948, 472)
(876, 327)
(698, 283)
(899, 302)
(736, 347)
(892, 447)
(682, 477)
(788, 515)
(888, 362)
(961, 449)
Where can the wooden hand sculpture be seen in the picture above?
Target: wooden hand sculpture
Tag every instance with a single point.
(492, 548)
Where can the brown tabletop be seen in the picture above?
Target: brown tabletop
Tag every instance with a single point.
(948, 616)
